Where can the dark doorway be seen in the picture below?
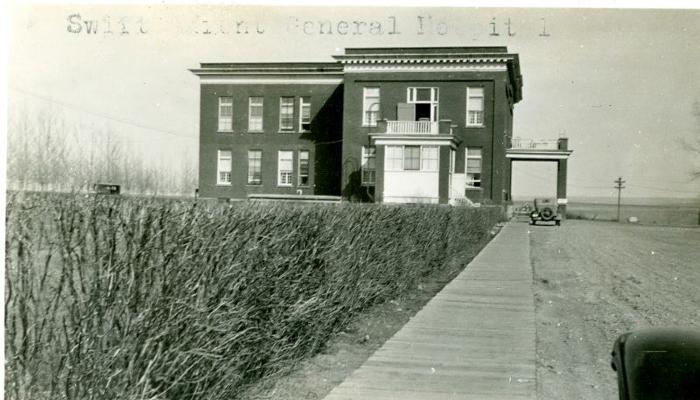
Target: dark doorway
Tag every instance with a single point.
(423, 112)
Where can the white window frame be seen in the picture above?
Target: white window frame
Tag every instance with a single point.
(308, 167)
(255, 166)
(412, 98)
(472, 182)
(284, 176)
(225, 123)
(291, 126)
(221, 157)
(369, 173)
(253, 124)
(472, 92)
(395, 158)
(420, 150)
(303, 104)
(368, 107)
(428, 163)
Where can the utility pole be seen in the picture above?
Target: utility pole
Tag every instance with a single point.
(619, 187)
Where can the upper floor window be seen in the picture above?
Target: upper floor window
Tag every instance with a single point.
(303, 167)
(369, 172)
(370, 106)
(254, 167)
(425, 102)
(475, 106)
(225, 114)
(255, 114)
(473, 166)
(285, 167)
(286, 113)
(223, 167)
(304, 114)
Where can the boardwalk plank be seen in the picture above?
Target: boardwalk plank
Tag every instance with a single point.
(474, 340)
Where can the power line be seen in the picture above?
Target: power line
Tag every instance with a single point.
(82, 109)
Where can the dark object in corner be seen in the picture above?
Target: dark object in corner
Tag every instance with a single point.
(658, 364)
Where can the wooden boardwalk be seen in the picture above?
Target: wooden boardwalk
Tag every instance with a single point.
(474, 340)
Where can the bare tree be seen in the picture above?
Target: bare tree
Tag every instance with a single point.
(188, 174)
(38, 152)
(45, 152)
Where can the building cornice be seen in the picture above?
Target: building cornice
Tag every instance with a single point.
(268, 69)
(392, 67)
(409, 58)
(270, 80)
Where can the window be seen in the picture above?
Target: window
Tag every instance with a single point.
(429, 158)
(370, 106)
(254, 167)
(285, 168)
(286, 113)
(369, 158)
(223, 168)
(425, 101)
(255, 114)
(304, 114)
(303, 167)
(225, 114)
(473, 166)
(475, 106)
(394, 158)
(411, 158)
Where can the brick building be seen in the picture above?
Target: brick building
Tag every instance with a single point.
(378, 124)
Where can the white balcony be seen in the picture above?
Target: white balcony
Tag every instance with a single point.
(412, 128)
(538, 149)
(534, 144)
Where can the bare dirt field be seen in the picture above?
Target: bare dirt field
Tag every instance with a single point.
(596, 280)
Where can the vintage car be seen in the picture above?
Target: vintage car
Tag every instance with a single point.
(545, 210)
(658, 363)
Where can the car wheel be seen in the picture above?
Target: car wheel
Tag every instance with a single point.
(546, 213)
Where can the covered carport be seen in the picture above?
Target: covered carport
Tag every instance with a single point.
(545, 150)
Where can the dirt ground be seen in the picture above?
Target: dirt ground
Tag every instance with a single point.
(597, 280)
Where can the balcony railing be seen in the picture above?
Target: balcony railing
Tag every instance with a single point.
(412, 127)
(535, 144)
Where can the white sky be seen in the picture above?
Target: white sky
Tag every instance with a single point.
(619, 83)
